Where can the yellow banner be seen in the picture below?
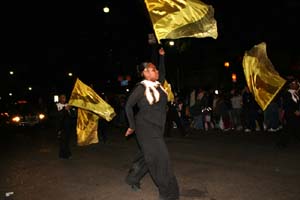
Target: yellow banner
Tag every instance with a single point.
(86, 98)
(90, 107)
(87, 127)
(173, 19)
(262, 79)
(168, 89)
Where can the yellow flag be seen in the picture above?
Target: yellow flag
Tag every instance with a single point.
(85, 97)
(87, 127)
(173, 19)
(262, 79)
(90, 107)
(168, 89)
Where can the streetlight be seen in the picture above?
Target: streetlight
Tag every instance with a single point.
(70, 74)
(106, 9)
(226, 64)
(29, 88)
(233, 77)
(11, 72)
(171, 43)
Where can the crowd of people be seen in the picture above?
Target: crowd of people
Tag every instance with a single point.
(237, 109)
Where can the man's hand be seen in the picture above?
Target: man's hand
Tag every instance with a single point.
(162, 52)
(67, 107)
(129, 132)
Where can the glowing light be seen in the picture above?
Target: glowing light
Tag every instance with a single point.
(120, 78)
(55, 98)
(11, 72)
(41, 116)
(106, 9)
(172, 43)
(233, 77)
(16, 119)
(226, 64)
(128, 78)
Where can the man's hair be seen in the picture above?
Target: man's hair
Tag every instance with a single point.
(141, 67)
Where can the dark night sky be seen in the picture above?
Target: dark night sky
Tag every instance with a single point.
(52, 36)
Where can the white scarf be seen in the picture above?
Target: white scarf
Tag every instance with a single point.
(295, 97)
(60, 106)
(152, 95)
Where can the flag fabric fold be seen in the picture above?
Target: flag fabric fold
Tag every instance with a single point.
(87, 127)
(90, 107)
(168, 89)
(173, 19)
(86, 98)
(262, 79)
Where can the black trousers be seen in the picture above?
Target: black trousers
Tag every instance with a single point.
(138, 169)
(290, 134)
(64, 144)
(153, 157)
(102, 130)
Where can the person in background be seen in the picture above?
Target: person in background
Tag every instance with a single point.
(173, 117)
(103, 125)
(291, 106)
(148, 123)
(64, 117)
(236, 112)
(249, 110)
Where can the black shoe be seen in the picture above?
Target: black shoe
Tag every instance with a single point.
(65, 157)
(136, 187)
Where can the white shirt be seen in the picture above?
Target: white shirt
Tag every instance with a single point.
(60, 106)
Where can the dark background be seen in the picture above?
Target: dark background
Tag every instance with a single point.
(43, 41)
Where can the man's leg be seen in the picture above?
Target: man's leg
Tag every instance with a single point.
(137, 171)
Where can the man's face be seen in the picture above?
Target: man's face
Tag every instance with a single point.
(62, 99)
(151, 73)
(294, 85)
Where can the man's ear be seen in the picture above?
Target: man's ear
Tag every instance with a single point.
(144, 73)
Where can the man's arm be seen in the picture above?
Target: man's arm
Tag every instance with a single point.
(161, 66)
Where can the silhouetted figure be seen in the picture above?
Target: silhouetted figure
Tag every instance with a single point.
(291, 106)
(173, 117)
(64, 117)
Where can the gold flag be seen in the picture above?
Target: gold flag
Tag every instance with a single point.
(85, 97)
(262, 79)
(90, 107)
(168, 89)
(173, 19)
(87, 127)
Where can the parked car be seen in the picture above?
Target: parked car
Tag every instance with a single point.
(23, 113)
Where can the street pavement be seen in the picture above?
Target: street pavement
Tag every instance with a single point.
(210, 165)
